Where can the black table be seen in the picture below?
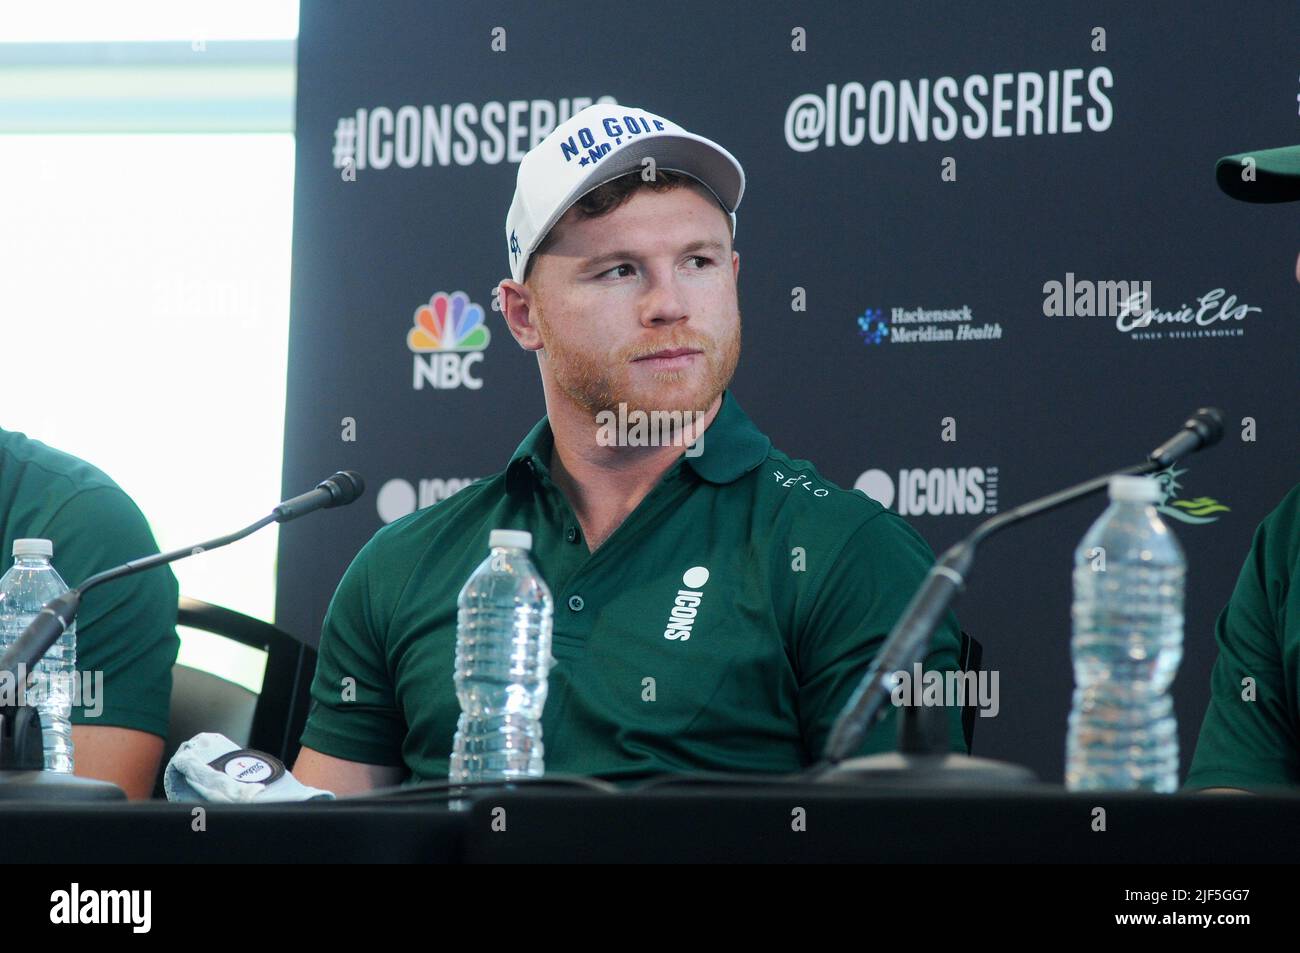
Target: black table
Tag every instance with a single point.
(676, 824)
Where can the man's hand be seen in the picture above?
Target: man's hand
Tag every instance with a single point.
(342, 777)
(124, 756)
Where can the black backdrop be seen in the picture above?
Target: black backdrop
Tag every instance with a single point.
(864, 228)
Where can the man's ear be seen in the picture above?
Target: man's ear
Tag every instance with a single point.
(516, 303)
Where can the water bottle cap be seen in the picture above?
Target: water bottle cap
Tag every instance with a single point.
(516, 538)
(1135, 489)
(33, 547)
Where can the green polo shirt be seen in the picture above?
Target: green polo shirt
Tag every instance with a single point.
(804, 581)
(125, 629)
(1245, 741)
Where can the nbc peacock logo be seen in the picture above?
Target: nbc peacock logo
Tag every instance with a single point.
(447, 339)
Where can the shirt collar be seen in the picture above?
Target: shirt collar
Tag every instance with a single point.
(732, 446)
(532, 458)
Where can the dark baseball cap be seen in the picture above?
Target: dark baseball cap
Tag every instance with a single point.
(1266, 175)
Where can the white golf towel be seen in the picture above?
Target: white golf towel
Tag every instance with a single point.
(211, 767)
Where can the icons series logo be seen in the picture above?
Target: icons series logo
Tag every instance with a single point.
(447, 338)
(934, 491)
(399, 497)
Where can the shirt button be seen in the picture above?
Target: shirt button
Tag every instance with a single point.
(572, 534)
(576, 603)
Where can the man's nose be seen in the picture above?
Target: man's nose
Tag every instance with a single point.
(663, 302)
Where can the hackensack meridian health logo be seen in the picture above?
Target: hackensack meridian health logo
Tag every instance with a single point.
(924, 326)
(447, 338)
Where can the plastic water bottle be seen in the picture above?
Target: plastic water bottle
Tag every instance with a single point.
(24, 589)
(1128, 641)
(503, 656)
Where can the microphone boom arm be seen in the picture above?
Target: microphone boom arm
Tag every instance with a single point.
(907, 642)
(50, 623)
(158, 559)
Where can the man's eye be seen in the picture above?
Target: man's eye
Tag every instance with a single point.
(702, 262)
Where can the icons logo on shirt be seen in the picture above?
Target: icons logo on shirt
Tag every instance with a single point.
(398, 497)
(936, 491)
(686, 604)
(1203, 509)
(447, 339)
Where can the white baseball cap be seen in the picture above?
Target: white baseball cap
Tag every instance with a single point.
(598, 144)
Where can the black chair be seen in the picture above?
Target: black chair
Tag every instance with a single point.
(271, 720)
(969, 657)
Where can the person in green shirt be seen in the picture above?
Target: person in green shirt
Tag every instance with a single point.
(1250, 738)
(625, 286)
(125, 629)
(1251, 734)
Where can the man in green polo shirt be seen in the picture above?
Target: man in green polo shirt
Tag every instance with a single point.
(1250, 739)
(125, 629)
(625, 285)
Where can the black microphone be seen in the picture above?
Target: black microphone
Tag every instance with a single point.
(1203, 429)
(339, 490)
(910, 637)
